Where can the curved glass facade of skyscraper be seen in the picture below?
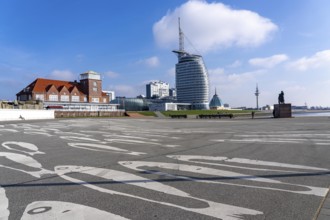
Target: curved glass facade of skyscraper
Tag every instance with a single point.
(192, 83)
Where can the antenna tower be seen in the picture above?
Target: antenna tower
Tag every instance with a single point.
(257, 96)
(181, 38)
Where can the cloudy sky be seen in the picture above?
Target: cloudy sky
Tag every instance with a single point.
(277, 44)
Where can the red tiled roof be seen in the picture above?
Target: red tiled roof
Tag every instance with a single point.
(41, 85)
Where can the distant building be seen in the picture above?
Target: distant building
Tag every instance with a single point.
(131, 104)
(111, 95)
(172, 92)
(191, 77)
(86, 94)
(157, 89)
(216, 102)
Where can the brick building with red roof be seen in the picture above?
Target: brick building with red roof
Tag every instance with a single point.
(88, 90)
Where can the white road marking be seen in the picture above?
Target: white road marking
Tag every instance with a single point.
(148, 134)
(51, 129)
(4, 211)
(317, 191)
(73, 138)
(128, 141)
(27, 161)
(96, 132)
(37, 133)
(104, 148)
(282, 135)
(217, 210)
(193, 158)
(129, 137)
(42, 210)
(264, 140)
(72, 133)
(8, 130)
(24, 126)
(33, 148)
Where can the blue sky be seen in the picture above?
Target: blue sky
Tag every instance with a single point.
(277, 44)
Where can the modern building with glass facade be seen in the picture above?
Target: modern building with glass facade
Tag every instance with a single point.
(131, 104)
(191, 77)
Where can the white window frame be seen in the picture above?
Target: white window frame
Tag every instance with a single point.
(65, 98)
(75, 98)
(53, 98)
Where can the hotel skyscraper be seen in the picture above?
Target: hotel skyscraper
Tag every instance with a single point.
(191, 77)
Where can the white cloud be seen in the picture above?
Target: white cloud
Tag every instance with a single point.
(320, 59)
(237, 89)
(268, 62)
(212, 26)
(111, 74)
(66, 75)
(216, 73)
(123, 90)
(151, 62)
(232, 82)
(235, 64)
(247, 77)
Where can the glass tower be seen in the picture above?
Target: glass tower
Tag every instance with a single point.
(191, 77)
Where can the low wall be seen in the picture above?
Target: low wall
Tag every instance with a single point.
(25, 114)
(73, 114)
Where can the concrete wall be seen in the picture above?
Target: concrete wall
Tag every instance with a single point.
(64, 114)
(25, 114)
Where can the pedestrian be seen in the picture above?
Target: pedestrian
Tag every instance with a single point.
(252, 114)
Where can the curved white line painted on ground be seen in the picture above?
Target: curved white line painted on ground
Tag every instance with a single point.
(217, 210)
(129, 141)
(195, 169)
(42, 210)
(317, 191)
(71, 133)
(37, 133)
(33, 148)
(27, 161)
(104, 148)
(193, 158)
(73, 138)
(129, 137)
(8, 130)
(4, 212)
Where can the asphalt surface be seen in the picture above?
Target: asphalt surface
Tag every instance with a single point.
(165, 169)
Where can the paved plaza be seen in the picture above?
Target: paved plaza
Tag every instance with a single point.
(165, 169)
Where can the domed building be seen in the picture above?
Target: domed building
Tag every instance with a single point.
(216, 102)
